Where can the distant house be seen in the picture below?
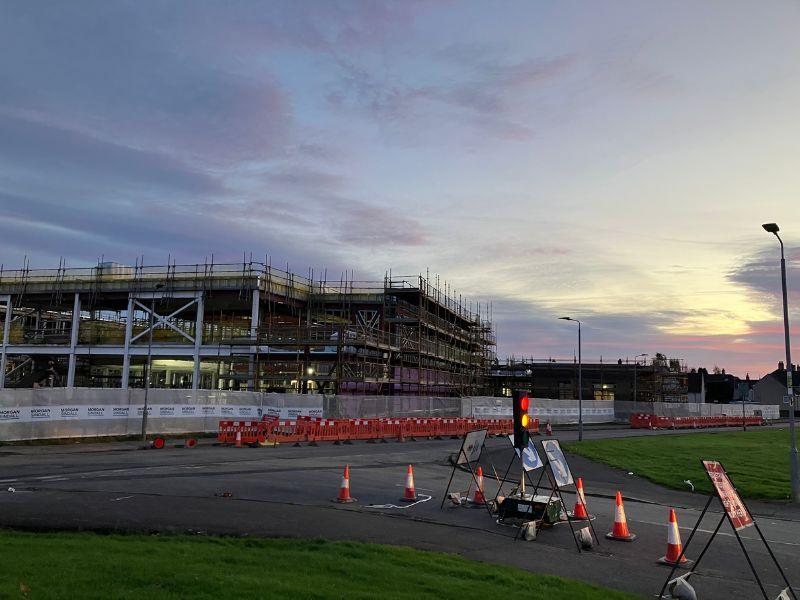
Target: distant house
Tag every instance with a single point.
(718, 387)
(721, 387)
(771, 388)
(697, 385)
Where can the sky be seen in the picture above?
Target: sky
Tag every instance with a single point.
(608, 160)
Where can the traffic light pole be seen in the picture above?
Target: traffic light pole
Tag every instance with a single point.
(580, 387)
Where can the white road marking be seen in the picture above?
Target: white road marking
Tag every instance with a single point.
(423, 498)
(725, 533)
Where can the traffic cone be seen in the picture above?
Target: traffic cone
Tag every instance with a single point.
(674, 546)
(548, 429)
(479, 498)
(410, 494)
(344, 488)
(620, 531)
(579, 512)
(238, 439)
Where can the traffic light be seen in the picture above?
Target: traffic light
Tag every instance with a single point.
(521, 419)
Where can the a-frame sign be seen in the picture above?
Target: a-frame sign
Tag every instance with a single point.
(739, 517)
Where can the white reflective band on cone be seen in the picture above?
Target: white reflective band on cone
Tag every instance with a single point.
(620, 516)
(674, 536)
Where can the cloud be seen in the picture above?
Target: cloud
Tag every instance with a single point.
(72, 156)
(483, 95)
(115, 70)
(323, 200)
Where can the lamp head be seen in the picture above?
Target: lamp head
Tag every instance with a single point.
(566, 318)
(771, 227)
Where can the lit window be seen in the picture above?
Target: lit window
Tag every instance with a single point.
(603, 391)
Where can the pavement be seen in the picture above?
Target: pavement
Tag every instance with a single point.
(287, 492)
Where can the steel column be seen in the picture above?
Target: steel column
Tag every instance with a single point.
(198, 340)
(73, 341)
(254, 322)
(6, 333)
(126, 357)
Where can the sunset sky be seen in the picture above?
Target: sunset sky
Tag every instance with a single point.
(612, 161)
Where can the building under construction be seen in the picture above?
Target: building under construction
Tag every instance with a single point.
(238, 326)
(660, 379)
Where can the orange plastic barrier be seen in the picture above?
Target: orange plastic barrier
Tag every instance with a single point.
(647, 421)
(313, 430)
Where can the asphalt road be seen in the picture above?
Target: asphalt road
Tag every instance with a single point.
(287, 491)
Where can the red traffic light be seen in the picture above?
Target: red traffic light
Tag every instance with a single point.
(523, 403)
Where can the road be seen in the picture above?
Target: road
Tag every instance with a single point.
(287, 491)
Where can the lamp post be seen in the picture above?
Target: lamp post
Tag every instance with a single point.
(774, 229)
(148, 367)
(636, 364)
(580, 381)
(149, 362)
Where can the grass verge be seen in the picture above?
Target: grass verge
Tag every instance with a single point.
(84, 565)
(757, 460)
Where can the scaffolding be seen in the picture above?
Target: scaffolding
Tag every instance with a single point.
(244, 325)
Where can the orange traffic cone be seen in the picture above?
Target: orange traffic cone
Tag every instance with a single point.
(548, 429)
(238, 439)
(579, 512)
(674, 546)
(479, 498)
(410, 494)
(344, 488)
(620, 531)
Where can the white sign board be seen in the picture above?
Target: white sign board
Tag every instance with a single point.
(558, 462)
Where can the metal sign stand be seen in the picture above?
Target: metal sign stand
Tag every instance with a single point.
(458, 461)
(555, 490)
(505, 479)
(725, 516)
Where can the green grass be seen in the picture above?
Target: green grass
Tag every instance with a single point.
(756, 460)
(84, 565)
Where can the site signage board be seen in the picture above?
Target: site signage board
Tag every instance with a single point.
(737, 512)
(36, 414)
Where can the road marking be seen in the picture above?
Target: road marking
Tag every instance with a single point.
(725, 533)
(120, 498)
(49, 477)
(9, 481)
(423, 498)
(402, 485)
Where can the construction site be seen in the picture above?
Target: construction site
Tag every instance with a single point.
(242, 326)
(660, 379)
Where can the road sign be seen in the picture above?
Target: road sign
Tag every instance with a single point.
(471, 449)
(558, 462)
(737, 511)
(530, 457)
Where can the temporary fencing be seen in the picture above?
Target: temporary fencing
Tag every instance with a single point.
(649, 421)
(310, 430)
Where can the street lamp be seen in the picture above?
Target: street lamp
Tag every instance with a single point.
(635, 364)
(580, 381)
(774, 229)
(149, 362)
